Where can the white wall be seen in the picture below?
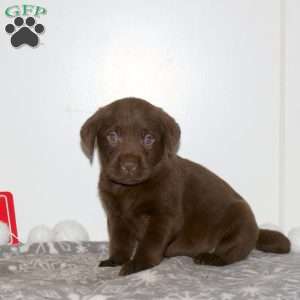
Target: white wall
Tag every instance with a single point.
(291, 163)
(214, 65)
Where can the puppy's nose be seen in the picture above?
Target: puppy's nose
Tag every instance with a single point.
(129, 166)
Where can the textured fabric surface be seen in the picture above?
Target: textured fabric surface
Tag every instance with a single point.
(68, 270)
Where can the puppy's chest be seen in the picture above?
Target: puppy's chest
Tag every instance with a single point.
(125, 201)
(133, 213)
(137, 225)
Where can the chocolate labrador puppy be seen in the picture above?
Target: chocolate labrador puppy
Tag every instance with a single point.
(161, 205)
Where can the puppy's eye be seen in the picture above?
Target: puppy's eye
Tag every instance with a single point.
(113, 137)
(148, 140)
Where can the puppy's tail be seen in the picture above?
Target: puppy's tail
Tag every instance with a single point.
(272, 241)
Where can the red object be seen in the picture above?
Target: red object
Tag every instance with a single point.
(7, 215)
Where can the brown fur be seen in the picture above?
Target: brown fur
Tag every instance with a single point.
(159, 204)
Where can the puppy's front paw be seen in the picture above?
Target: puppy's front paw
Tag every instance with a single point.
(133, 266)
(109, 263)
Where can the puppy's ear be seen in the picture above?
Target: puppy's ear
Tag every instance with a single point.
(89, 130)
(171, 132)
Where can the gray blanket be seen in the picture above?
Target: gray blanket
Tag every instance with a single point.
(68, 270)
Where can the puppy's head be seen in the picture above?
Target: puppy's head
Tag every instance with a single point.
(133, 137)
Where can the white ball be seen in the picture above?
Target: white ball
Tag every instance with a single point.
(69, 230)
(39, 234)
(270, 226)
(4, 233)
(294, 236)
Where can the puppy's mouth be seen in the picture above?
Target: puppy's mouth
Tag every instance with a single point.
(128, 179)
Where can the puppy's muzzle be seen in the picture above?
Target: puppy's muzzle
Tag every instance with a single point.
(129, 167)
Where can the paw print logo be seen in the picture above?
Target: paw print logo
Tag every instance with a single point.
(27, 33)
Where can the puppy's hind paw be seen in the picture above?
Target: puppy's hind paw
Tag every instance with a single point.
(210, 259)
